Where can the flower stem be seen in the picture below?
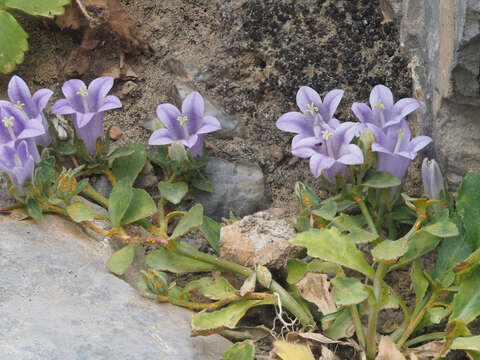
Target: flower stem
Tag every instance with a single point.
(305, 318)
(374, 310)
(366, 214)
(93, 194)
(415, 321)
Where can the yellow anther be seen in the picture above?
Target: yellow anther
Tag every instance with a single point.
(311, 109)
(326, 134)
(379, 106)
(182, 120)
(83, 92)
(8, 121)
(19, 105)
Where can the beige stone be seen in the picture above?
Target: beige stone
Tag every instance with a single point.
(261, 239)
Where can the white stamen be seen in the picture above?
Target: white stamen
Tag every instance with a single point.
(401, 134)
(83, 92)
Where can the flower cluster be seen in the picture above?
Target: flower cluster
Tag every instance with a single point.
(22, 127)
(327, 142)
(186, 127)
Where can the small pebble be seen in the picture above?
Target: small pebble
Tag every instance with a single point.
(277, 154)
(115, 133)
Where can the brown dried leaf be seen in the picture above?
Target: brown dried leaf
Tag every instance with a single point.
(387, 350)
(427, 351)
(315, 288)
(328, 354)
(72, 18)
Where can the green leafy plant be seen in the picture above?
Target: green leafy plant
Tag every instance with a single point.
(13, 42)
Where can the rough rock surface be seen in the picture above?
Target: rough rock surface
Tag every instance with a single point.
(58, 301)
(238, 187)
(4, 198)
(442, 39)
(260, 238)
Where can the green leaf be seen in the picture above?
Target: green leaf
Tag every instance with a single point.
(289, 351)
(302, 223)
(218, 290)
(228, 317)
(419, 245)
(357, 234)
(382, 180)
(165, 260)
(44, 170)
(470, 264)
(66, 147)
(119, 201)
(342, 323)
(442, 229)
(191, 220)
(466, 343)
(390, 250)
(419, 281)
(327, 211)
(79, 212)
(202, 183)
(348, 291)
(296, 270)
(244, 350)
(466, 303)
(120, 152)
(211, 230)
(468, 206)
(436, 314)
(121, 259)
(13, 42)
(129, 167)
(173, 192)
(34, 209)
(331, 245)
(47, 8)
(141, 206)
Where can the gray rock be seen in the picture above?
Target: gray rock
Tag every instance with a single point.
(4, 197)
(58, 301)
(103, 185)
(186, 70)
(442, 39)
(229, 122)
(238, 187)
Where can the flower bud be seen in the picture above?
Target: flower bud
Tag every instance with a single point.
(177, 152)
(432, 180)
(366, 139)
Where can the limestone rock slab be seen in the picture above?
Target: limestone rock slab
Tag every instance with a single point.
(58, 301)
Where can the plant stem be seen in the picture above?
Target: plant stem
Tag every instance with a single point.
(358, 325)
(416, 318)
(366, 214)
(93, 194)
(305, 318)
(374, 310)
(12, 207)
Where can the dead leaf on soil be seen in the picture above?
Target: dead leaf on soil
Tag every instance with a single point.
(387, 350)
(315, 288)
(290, 351)
(426, 351)
(294, 336)
(328, 354)
(100, 52)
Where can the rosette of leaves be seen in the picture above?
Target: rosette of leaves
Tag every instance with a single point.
(13, 42)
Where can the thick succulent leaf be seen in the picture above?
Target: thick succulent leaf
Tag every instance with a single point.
(165, 260)
(47, 8)
(119, 201)
(468, 206)
(419, 281)
(141, 206)
(419, 245)
(357, 234)
(290, 351)
(348, 291)
(331, 245)
(129, 167)
(173, 192)
(121, 259)
(226, 318)
(216, 290)
(390, 250)
(13, 43)
(466, 303)
(442, 229)
(244, 350)
(382, 180)
(79, 212)
(211, 230)
(296, 270)
(191, 220)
